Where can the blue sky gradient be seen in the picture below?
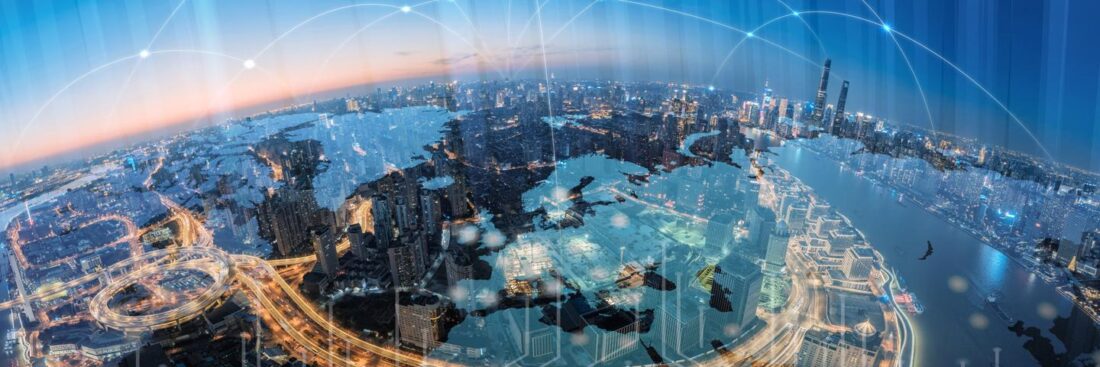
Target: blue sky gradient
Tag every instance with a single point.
(1036, 57)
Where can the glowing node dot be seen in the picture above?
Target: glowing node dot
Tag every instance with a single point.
(406, 9)
(886, 27)
(795, 13)
(979, 321)
(248, 64)
(958, 284)
(143, 54)
(1047, 311)
(710, 88)
(620, 220)
(750, 35)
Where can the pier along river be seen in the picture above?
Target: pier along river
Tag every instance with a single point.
(951, 329)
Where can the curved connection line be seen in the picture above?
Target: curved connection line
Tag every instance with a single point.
(332, 55)
(958, 69)
(165, 24)
(796, 14)
(490, 56)
(473, 27)
(696, 17)
(542, 38)
(912, 71)
(820, 45)
(530, 20)
(729, 55)
(573, 19)
(137, 64)
(324, 13)
(96, 70)
(726, 26)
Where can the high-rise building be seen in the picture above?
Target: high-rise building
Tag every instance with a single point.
(383, 220)
(840, 117)
(827, 349)
(458, 266)
(819, 100)
(735, 290)
(776, 252)
(858, 262)
(761, 223)
(719, 231)
(420, 321)
(796, 217)
(359, 241)
(287, 216)
(750, 195)
(1089, 242)
(403, 266)
(404, 217)
(324, 246)
(430, 213)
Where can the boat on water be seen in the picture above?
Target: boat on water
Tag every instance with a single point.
(909, 302)
(914, 307)
(992, 300)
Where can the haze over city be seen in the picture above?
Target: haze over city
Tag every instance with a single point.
(549, 183)
(1034, 57)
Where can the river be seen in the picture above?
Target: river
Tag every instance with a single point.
(951, 329)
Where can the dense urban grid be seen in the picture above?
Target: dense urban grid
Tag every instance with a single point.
(530, 222)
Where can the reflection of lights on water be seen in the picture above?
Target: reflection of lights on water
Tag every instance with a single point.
(487, 298)
(494, 239)
(731, 329)
(599, 273)
(458, 293)
(979, 321)
(620, 220)
(553, 287)
(559, 194)
(958, 284)
(555, 215)
(1047, 311)
(467, 235)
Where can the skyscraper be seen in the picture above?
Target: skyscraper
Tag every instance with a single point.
(1089, 241)
(735, 290)
(324, 246)
(761, 223)
(839, 118)
(287, 216)
(827, 349)
(429, 208)
(420, 321)
(719, 230)
(403, 215)
(858, 262)
(383, 222)
(819, 101)
(405, 267)
(358, 241)
(776, 252)
(458, 266)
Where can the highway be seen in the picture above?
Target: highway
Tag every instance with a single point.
(299, 325)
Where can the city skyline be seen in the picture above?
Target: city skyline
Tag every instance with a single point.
(181, 37)
(331, 183)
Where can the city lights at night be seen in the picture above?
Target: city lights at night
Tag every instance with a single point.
(549, 183)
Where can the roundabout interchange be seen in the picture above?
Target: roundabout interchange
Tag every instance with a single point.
(301, 326)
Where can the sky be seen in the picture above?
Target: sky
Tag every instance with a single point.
(76, 74)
